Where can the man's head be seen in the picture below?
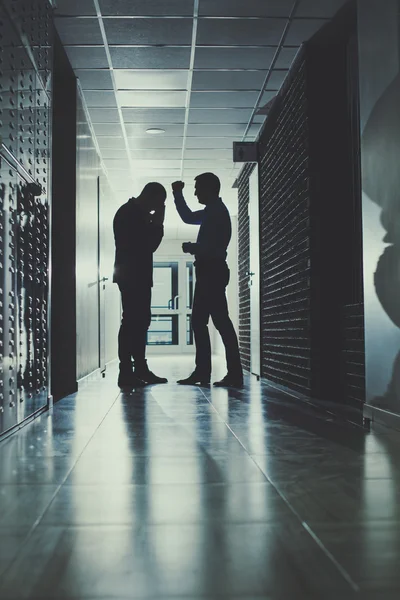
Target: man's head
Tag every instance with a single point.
(207, 187)
(153, 196)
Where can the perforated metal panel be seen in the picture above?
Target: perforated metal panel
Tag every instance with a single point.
(285, 233)
(25, 78)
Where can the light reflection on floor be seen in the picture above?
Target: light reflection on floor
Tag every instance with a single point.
(182, 492)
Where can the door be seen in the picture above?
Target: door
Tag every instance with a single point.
(171, 307)
(254, 275)
(102, 279)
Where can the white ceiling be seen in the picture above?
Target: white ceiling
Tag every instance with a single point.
(195, 68)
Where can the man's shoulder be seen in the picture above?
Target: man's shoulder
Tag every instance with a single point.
(128, 208)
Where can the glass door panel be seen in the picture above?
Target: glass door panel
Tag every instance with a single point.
(170, 328)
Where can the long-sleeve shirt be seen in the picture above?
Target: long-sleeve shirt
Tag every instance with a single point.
(135, 241)
(215, 228)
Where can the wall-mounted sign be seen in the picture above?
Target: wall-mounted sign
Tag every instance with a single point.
(244, 152)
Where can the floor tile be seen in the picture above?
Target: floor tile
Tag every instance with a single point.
(21, 505)
(159, 504)
(167, 560)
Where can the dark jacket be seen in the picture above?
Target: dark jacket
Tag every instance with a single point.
(135, 241)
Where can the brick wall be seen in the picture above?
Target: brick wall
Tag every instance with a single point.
(353, 355)
(244, 256)
(285, 237)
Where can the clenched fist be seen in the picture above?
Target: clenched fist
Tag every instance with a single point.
(178, 186)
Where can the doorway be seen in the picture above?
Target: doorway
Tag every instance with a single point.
(254, 274)
(171, 307)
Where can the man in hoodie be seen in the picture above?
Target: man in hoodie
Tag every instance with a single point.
(138, 231)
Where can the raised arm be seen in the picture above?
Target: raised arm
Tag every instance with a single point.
(186, 214)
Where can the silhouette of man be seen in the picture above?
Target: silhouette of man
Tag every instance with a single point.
(212, 277)
(138, 231)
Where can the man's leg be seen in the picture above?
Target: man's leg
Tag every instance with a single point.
(140, 339)
(125, 330)
(127, 337)
(220, 316)
(141, 323)
(200, 318)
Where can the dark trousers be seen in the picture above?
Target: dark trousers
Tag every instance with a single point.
(210, 300)
(136, 319)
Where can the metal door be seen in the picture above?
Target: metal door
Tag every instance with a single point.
(102, 278)
(254, 274)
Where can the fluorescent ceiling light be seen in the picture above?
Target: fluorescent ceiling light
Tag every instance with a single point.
(155, 131)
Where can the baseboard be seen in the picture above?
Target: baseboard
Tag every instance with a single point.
(18, 426)
(382, 416)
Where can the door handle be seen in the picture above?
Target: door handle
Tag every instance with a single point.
(174, 302)
(103, 279)
(250, 274)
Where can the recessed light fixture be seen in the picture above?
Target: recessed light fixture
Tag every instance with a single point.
(155, 131)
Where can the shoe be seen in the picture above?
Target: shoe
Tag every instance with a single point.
(230, 381)
(149, 377)
(194, 379)
(129, 380)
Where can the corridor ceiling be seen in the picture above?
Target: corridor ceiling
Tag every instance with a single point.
(194, 68)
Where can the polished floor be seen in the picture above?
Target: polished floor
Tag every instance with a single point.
(188, 493)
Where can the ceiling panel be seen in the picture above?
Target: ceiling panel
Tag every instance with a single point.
(113, 164)
(104, 115)
(111, 142)
(139, 129)
(148, 165)
(151, 80)
(219, 115)
(206, 142)
(207, 153)
(153, 174)
(152, 99)
(150, 58)
(96, 79)
(276, 79)
(233, 58)
(286, 57)
(146, 7)
(316, 8)
(232, 130)
(239, 32)
(156, 154)
(116, 153)
(250, 8)
(155, 142)
(149, 31)
(101, 99)
(228, 80)
(82, 57)
(109, 129)
(301, 30)
(207, 165)
(223, 99)
(75, 7)
(266, 97)
(79, 31)
(151, 115)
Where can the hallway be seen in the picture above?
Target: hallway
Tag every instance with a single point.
(175, 492)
